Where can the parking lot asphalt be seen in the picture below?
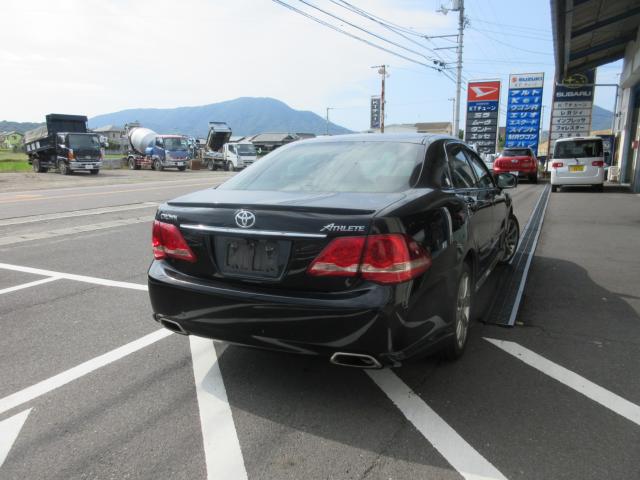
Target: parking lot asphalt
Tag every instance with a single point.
(90, 387)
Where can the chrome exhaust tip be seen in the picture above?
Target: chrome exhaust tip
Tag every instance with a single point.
(356, 360)
(173, 326)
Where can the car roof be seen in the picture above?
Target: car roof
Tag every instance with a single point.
(424, 138)
(573, 139)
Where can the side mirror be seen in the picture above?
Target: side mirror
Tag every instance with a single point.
(507, 180)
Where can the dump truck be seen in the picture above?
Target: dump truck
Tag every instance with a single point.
(64, 143)
(219, 153)
(149, 149)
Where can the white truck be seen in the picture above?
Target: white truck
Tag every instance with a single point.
(221, 154)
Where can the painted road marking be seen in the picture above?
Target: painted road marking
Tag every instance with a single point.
(71, 276)
(46, 386)
(60, 232)
(74, 213)
(525, 273)
(9, 430)
(595, 392)
(109, 192)
(528, 224)
(462, 456)
(28, 285)
(222, 451)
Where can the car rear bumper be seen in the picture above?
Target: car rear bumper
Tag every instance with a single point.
(372, 320)
(520, 171)
(565, 178)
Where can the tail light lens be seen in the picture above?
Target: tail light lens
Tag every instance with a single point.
(597, 163)
(392, 258)
(557, 164)
(167, 241)
(70, 155)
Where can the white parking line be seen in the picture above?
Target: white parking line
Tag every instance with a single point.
(9, 430)
(222, 451)
(27, 285)
(462, 456)
(28, 237)
(70, 276)
(595, 392)
(74, 213)
(45, 386)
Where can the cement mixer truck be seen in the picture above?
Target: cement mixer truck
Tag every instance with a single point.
(148, 149)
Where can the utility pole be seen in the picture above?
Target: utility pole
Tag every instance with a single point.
(328, 108)
(453, 112)
(459, 67)
(382, 70)
(457, 6)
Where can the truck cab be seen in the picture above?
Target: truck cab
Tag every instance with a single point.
(239, 155)
(79, 151)
(168, 151)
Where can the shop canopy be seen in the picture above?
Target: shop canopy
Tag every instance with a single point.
(590, 33)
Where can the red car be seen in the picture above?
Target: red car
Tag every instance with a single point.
(521, 162)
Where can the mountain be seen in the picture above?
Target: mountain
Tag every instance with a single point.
(601, 118)
(245, 116)
(21, 127)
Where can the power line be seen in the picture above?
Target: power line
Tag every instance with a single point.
(515, 27)
(383, 23)
(344, 32)
(510, 45)
(380, 37)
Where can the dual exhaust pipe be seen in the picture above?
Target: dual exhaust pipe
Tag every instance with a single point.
(343, 359)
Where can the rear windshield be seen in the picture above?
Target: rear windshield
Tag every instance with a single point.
(375, 167)
(84, 141)
(578, 149)
(516, 152)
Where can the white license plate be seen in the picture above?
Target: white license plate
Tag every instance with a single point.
(88, 167)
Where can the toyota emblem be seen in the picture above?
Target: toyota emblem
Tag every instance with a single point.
(245, 219)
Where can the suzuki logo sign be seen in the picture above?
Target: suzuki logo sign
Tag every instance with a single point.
(245, 219)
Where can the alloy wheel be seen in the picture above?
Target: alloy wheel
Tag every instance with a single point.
(463, 309)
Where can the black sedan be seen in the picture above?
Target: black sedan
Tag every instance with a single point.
(365, 249)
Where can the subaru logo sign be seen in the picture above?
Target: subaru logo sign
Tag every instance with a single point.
(245, 219)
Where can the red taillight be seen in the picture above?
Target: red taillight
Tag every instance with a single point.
(392, 258)
(340, 258)
(167, 241)
(557, 164)
(597, 163)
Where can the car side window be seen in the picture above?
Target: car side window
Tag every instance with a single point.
(461, 172)
(482, 173)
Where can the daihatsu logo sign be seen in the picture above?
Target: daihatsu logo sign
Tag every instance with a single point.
(483, 91)
(245, 219)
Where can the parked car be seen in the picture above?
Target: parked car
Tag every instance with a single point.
(518, 161)
(578, 161)
(365, 249)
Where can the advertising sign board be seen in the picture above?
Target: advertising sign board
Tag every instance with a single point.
(524, 110)
(375, 112)
(481, 129)
(572, 106)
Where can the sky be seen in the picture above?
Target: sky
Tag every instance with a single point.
(99, 56)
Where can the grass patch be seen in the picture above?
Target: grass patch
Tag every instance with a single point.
(12, 156)
(113, 156)
(13, 166)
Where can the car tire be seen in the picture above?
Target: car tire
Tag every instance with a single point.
(37, 167)
(229, 166)
(210, 166)
(157, 166)
(510, 239)
(554, 188)
(533, 178)
(132, 164)
(462, 314)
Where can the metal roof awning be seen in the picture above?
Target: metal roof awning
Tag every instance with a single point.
(590, 33)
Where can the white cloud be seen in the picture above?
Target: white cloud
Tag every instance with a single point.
(94, 57)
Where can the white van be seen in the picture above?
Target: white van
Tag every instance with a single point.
(578, 161)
